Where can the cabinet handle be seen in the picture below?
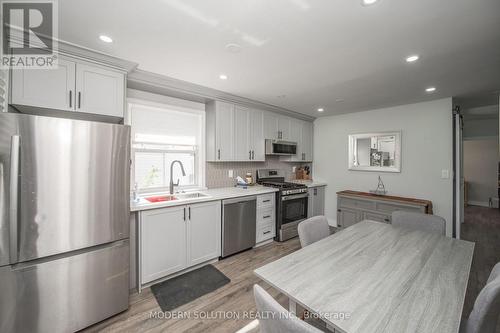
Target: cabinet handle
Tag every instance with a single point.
(253, 155)
(338, 210)
(218, 154)
(386, 220)
(70, 98)
(184, 213)
(268, 200)
(315, 191)
(267, 216)
(266, 232)
(189, 212)
(249, 154)
(79, 99)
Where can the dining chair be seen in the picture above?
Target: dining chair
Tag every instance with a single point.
(276, 319)
(486, 311)
(418, 221)
(313, 230)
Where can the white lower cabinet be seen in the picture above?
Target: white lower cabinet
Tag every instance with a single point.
(173, 239)
(266, 217)
(316, 203)
(204, 232)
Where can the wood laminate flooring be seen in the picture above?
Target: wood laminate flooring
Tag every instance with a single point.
(237, 296)
(482, 226)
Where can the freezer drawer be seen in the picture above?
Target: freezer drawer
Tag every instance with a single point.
(65, 294)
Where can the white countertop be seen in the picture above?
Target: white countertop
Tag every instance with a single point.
(308, 183)
(213, 195)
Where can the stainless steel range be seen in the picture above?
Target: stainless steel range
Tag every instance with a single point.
(291, 202)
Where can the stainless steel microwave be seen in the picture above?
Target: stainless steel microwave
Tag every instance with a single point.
(279, 147)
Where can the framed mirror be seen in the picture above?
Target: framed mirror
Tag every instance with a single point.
(379, 152)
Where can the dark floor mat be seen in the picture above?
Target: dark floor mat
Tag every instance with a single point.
(183, 289)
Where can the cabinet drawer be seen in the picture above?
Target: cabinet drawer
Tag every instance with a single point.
(358, 204)
(390, 208)
(265, 233)
(266, 200)
(265, 216)
(377, 217)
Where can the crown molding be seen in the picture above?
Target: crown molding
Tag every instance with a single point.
(160, 84)
(77, 51)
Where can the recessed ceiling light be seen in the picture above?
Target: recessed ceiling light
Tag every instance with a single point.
(223, 77)
(106, 39)
(321, 109)
(412, 58)
(233, 48)
(368, 2)
(430, 89)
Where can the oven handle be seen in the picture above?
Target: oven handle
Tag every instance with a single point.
(294, 196)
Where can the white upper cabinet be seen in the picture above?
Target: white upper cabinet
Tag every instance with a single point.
(257, 139)
(284, 127)
(73, 86)
(242, 149)
(45, 88)
(276, 126)
(220, 131)
(302, 133)
(238, 133)
(307, 141)
(99, 90)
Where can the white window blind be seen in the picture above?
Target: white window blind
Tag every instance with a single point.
(162, 134)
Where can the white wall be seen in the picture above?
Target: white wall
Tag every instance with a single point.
(480, 170)
(427, 149)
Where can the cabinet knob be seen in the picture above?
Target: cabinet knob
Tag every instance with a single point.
(218, 154)
(338, 210)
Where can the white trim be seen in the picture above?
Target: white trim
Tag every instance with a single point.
(188, 107)
(397, 158)
(164, 85)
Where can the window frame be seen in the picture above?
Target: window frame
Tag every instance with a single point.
(199, 152)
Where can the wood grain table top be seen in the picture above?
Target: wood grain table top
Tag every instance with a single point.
(374, 277)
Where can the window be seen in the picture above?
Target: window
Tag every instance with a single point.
(162, 134)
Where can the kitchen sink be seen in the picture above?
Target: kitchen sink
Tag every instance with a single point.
(161, 198)
(192, 195)
(177, 196)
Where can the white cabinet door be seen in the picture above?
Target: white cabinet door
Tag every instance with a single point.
(284, 124)
(296, 136)
(316, 201)
(163, 242)
(271, 130)
(307, 141)
(204, 232)
(224, 132)
(242, 148)
(45, 88)
(257, 139)
(99, 90)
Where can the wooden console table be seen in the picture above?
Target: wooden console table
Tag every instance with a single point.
(354, 207)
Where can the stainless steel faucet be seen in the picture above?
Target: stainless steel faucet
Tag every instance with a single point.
(171, 187)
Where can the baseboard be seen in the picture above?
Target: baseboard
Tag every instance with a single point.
(478, 203)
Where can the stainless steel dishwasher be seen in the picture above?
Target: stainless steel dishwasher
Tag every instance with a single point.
(238, 224)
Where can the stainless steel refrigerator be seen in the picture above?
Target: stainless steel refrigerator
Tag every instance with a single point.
(64, 222)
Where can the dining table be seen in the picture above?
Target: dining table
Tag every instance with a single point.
(376, 277)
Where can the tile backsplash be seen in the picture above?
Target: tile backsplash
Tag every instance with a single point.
(217, 173)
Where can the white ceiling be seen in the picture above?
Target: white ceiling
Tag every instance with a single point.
(313, 52)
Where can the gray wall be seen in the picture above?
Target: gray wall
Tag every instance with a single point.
(427, 149)
(480, 170)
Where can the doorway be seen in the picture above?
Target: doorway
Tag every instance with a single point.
(477, 184)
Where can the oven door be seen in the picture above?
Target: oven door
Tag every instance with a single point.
(294, 208)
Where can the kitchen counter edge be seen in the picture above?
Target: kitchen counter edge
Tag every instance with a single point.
(215, 194)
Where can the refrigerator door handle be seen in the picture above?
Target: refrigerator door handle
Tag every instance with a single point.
(14, 195)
